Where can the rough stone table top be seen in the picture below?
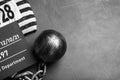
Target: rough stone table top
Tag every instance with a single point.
(92, 31)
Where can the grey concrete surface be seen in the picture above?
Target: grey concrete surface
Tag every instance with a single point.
(92, 31)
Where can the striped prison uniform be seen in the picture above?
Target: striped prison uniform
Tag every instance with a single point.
(28, 21)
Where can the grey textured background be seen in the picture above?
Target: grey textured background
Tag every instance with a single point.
(92, 31)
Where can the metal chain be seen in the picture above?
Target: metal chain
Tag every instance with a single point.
(28, 75)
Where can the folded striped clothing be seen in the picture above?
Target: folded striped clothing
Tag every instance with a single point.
(28, 22)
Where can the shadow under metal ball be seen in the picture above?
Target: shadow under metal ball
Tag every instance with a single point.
(50, 46)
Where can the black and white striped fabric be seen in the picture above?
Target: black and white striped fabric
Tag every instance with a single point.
(28, 21)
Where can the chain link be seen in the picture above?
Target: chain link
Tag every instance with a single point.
(28, 75)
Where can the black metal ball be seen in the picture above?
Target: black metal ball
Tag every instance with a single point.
(50, 46)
